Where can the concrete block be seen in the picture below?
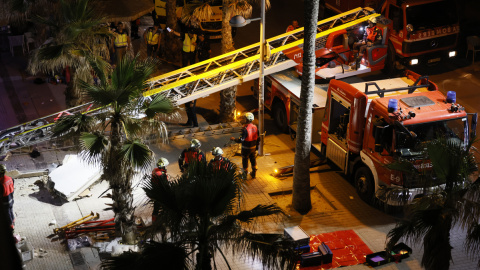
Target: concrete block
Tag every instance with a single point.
(73, 177)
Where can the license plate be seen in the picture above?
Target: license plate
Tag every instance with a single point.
(433, 60)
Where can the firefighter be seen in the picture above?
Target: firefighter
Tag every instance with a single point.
(293, 26)
(250, 140)
(161, 169)
(152, 40)
(372, 36)
(120, 42)
(189, 44)
(6, 189)
(203, 48)
(191, 154)
(218, 161)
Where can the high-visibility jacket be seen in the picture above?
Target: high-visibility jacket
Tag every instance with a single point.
(159, 172)
(121, 39)
(252, 132)
(188, 43)
(7, 185)
(219, 162)
(152, 38)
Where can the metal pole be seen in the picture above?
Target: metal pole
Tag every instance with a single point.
(261, 80)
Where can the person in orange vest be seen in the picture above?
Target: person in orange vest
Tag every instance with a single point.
(189, 45)
(152, 40)
(249, 140)
(120, 42)
(6, 189)
(293, 26)
(218, 161)
(372, 36)
(191, 154)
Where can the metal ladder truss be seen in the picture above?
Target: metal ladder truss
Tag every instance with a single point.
(233, 68)
(200, 79)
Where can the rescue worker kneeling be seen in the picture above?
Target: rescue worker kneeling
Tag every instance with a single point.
(249, 140)
(218, 161)
(190, 155)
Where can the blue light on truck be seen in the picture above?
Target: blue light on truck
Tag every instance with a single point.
(392, 105)
(451, 97)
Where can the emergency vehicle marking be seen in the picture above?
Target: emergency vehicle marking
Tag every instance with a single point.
(438, 32)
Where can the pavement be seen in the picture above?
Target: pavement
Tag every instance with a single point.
(337, 206)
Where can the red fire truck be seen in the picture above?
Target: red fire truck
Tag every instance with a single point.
(362, 126)
(421, 31)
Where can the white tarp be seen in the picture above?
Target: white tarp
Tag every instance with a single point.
(74, 176)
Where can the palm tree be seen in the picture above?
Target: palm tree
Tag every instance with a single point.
(301, 200)
(230, 8)
(203, 209)
(79, 43)
(172, 44)
(430, 218)
(113, 139)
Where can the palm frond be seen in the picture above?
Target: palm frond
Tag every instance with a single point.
(76, 124)
(472, 242)
(137, 154)
(160, 104)
(242, 8)
(94, 146)
(273, 250)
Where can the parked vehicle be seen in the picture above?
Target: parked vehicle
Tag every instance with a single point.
(421, 31)
(360, 127)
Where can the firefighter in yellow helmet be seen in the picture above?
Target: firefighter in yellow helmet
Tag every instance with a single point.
(218, 161)
(372, 36)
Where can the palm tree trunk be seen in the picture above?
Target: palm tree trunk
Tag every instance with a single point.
(301, 200)
(227, 96)
(437, 251)
(119, 176)
(172, 44)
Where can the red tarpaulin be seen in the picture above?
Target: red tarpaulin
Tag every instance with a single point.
(346, 246)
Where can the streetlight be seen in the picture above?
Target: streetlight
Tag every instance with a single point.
(240, 21)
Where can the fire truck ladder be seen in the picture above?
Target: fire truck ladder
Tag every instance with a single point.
(201, 79)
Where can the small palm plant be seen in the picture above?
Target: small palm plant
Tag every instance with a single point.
(430, 218)
(112, 137)
(203, 209)
(78, 43)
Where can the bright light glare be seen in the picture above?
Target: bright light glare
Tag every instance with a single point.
(361, 28)
(276, 171)
(452, 54)
(239, 113)
(414, 62)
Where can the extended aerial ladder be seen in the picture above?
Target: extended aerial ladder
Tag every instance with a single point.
(203, 78)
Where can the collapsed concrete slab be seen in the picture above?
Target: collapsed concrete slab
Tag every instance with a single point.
(73, 177)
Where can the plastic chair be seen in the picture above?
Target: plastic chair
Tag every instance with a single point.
(29, 39)
(473, 44)
(16, 41)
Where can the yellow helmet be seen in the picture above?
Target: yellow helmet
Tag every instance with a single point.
(373, 20)
(195, 143)
(3, 168)
(217, 151)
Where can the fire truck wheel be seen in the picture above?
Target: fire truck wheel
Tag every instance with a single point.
(364, 184)
(390, 68)
(280, 116)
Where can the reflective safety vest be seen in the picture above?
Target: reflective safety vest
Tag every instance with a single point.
(192, 155)
(121, 39)
(159, 172)
(372, 33)
(152, 38)
(220, 162)
(252, 133)
(187, 43)
(7, 184)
